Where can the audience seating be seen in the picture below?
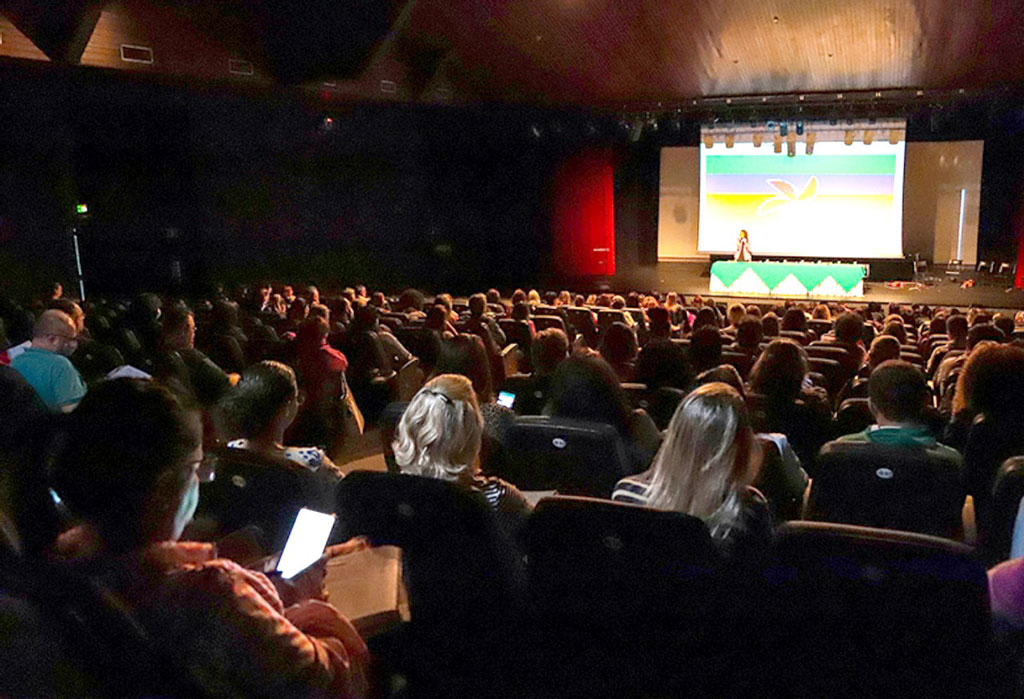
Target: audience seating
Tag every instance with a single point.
(1007, 492)
(854, 415)
(631, 601)
(785, 496)
(868, 612)
(582, 322)
(464, 581)
(249, 489)
(389, 420)
(891, 487)
(990, 442)
(833, 372)
(570, 456)
(545, 322)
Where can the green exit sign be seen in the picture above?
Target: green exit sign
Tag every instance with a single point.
(81, 209)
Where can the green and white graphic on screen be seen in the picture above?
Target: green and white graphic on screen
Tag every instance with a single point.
(840, 202)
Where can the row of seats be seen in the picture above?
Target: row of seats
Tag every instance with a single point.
(610, 599)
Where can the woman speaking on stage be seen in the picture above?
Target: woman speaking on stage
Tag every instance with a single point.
(743, 248)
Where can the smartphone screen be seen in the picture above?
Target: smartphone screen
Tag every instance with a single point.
(506, 399)
(306, 542)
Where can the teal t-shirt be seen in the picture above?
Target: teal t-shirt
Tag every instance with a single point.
(52, 375)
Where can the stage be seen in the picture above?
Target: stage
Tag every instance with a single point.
(690, 278)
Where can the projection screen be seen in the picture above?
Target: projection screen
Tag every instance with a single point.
(841, 201)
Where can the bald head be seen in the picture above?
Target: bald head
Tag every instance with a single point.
(53, 322)
(55, 331)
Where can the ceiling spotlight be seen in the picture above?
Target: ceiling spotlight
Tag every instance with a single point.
(848, 137)
(758, 139)
(894, 137)
(799, 128)
(869, 136)
(709, 142)
(730, 141)
(791, 148)
(809, 140)
(783, 129)
(777, 143)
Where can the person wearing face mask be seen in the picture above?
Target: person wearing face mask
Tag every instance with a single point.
(45, 364)
(129, 472)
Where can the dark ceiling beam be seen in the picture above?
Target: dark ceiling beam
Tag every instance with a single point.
(61, 30)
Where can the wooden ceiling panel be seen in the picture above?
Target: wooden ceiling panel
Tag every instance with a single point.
(602, 51)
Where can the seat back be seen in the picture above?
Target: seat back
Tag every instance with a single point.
(784, 495)
(826, 351)
(94, 360)
(599, 563)
(582, 321)
(891, 487)
(833, 372)
(249, 489)
(615, 585)
(989, 443)
(869, 612)
(545, 322)
(1007, 492)
(571, 456)
(457, 562)
(389, 420)
(854, 415)
(820, 327)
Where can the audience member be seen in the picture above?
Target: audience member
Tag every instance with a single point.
(465, 355)
(548, 349)
(439, 436)
(586, 388)
(619, 348)
(705, 468)
(260, 409)
(898, 396)
(179, 361)
(129, 471)
(45, 364)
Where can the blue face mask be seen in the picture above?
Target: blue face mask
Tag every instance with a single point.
(187, 507)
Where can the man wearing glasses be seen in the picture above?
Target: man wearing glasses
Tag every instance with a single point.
(45, 364)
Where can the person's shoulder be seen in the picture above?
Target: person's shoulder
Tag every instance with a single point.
(310, 457)
(633, 489)
(500, 494)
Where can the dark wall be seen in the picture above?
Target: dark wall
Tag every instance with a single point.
(238, 186)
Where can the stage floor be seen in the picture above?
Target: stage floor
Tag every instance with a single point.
(691, 278)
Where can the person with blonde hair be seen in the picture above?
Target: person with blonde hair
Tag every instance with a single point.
(705, 468)
(439, 436)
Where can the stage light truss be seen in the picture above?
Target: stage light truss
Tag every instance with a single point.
(809, 132)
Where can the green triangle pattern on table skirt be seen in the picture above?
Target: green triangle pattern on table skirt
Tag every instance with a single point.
(772, 274)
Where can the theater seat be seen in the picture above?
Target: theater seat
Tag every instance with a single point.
(570, 456)
(552, 321)
(249, 489)
(867, 612)
(891, 487)
(617, 586)
(1006, 497)
(582, 322)
(854, 415)
(389, 420)
(835, 376)
(463, 578)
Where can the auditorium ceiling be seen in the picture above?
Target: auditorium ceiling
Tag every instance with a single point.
(592, 52)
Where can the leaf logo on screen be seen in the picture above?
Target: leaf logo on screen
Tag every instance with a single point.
(786, 195)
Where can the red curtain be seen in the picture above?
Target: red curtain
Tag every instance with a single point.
(1018, 231)
(583, 215)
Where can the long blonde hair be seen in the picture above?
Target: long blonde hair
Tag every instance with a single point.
(707, 459)
(439, 433)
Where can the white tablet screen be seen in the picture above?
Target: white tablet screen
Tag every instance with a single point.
(306, 542)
